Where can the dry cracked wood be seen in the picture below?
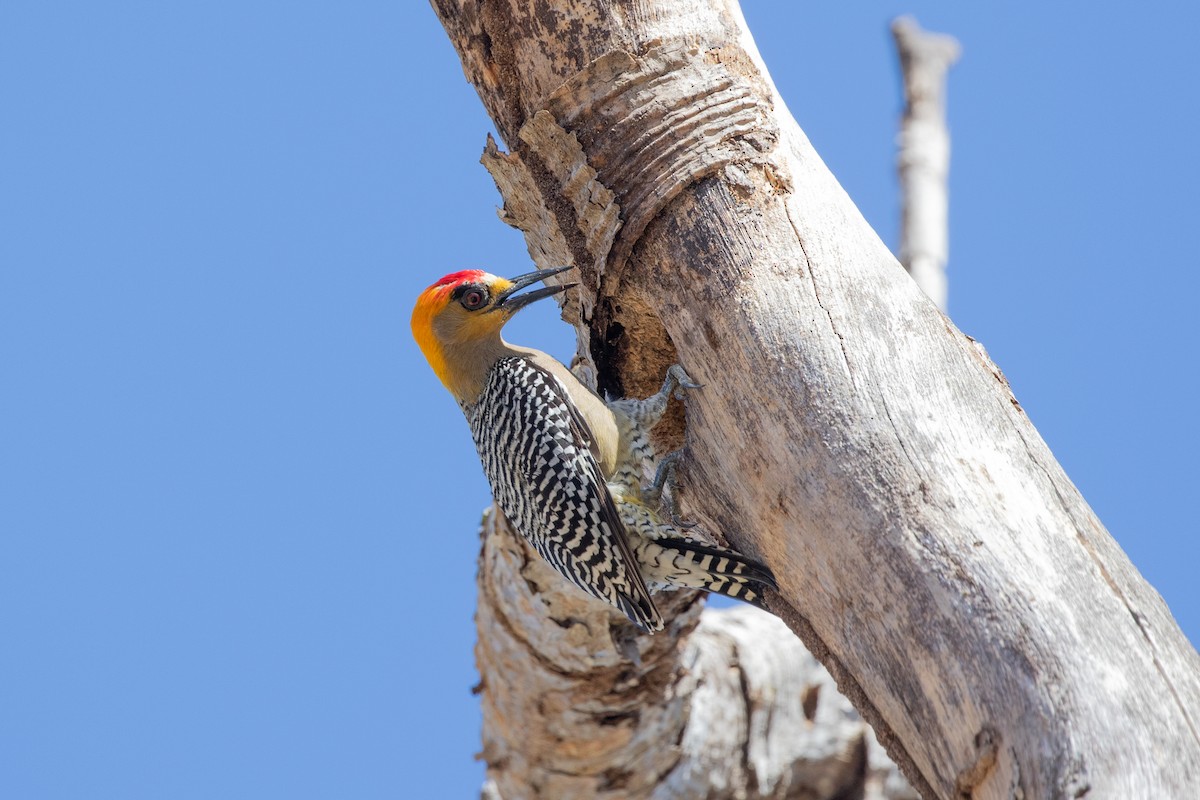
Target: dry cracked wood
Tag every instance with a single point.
(723, 704)
(930, 550)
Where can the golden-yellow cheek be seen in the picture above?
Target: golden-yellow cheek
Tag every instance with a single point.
(479, 325)
(422, 328)
(440, 326)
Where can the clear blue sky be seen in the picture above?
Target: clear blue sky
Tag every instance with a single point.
(238, 513)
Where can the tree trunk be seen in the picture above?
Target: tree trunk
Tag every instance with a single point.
(929, 549)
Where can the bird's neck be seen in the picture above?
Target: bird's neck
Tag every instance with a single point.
(471, 365)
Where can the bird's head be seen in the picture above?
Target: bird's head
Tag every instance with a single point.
(457, 320)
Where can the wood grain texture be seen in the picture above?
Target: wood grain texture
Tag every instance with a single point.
(930, 550)
(723, 704)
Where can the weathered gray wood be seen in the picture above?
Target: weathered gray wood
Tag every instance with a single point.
(723, 704)
(924, 158)
(930, 550)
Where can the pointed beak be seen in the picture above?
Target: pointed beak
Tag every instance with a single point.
(511, 304)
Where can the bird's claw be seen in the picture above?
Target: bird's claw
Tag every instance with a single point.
(664, 476)
(677, 375)
(687, 525)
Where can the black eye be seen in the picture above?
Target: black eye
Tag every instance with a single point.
(474, 299)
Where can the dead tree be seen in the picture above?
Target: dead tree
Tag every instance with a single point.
(930, 550)
(924, 158)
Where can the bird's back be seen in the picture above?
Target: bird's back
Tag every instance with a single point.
(535, 449)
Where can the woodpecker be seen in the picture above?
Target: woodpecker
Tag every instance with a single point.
(566, 468)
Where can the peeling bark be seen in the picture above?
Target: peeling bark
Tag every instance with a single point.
(930, 551)
(723, 704)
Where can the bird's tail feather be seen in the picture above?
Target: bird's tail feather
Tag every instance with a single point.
(714, 569)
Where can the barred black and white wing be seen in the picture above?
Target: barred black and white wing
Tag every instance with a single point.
(535, 449)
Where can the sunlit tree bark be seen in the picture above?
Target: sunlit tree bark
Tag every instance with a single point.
(924, 158)
(930, 551)
(722, 704)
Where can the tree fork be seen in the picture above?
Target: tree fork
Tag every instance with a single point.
(928, 546)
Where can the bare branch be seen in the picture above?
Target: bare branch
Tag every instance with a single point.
(924, 159)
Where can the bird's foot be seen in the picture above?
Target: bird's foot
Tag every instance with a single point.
(665, 478)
